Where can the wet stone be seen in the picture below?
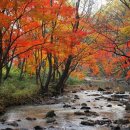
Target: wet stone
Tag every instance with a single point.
(108, 88)
(52, 127)
(113, 99)
(107, 92)
(120, 96)
(73, 107)
(38, 128)
(121, 92)
(127, 107)
(100, 89)
(74, 91)
(102, 122)
(91, 113)
(18, 120)
(30, 119)
(85, 108)
(83, 104)
(51, 114)
(76, 97)
(119, 105)
(83, 118)
(88, 123)
(96, 107)
(50, 120)
(15, 124)
(94, 95)
(104, 118)
(122, 121)
(66, 106)
(116, 128)
(97, 99)
(79, 113)
(109, 105)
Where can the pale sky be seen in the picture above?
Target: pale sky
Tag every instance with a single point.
(96, 6)
(99, 3)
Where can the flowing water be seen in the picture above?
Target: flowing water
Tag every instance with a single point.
(65, 118)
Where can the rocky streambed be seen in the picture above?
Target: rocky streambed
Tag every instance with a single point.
(85, 110)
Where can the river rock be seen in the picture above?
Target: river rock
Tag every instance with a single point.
(50, 114)
(108, 88)
(116, 128)
(50, 120)
(119, 104)
(18, 120)
(73, 107)
(121, 92)
(127, 106)
(66, 106)
(79, 113)
(94, 95)
(85, 108)
(30, 119)
(109, 105)
(90, 113)
(97, 99)
(74, 91)
(107, 92)
(76, 97)
(120, 96)
(113, 99)
(122, 121)
(15, 124)
(88, 123)
(102, 122)
(83, 104)
(38, 128)
(100, 89)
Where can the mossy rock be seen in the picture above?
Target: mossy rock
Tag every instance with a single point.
(84, 104)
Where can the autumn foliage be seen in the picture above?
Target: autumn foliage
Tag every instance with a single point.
(52, 40)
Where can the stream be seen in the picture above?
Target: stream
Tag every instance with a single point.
(17, 117)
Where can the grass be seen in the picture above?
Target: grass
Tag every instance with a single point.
(14, 91)
(74, 81)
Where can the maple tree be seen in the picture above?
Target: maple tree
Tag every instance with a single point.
(41, 38)
(15, 27)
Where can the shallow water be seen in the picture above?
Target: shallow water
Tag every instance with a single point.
(65, 119)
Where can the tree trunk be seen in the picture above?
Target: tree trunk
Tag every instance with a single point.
(9, 65)
(22, 67)
(60, 84)
(54, 68)
(1, 55)
(45, 88)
